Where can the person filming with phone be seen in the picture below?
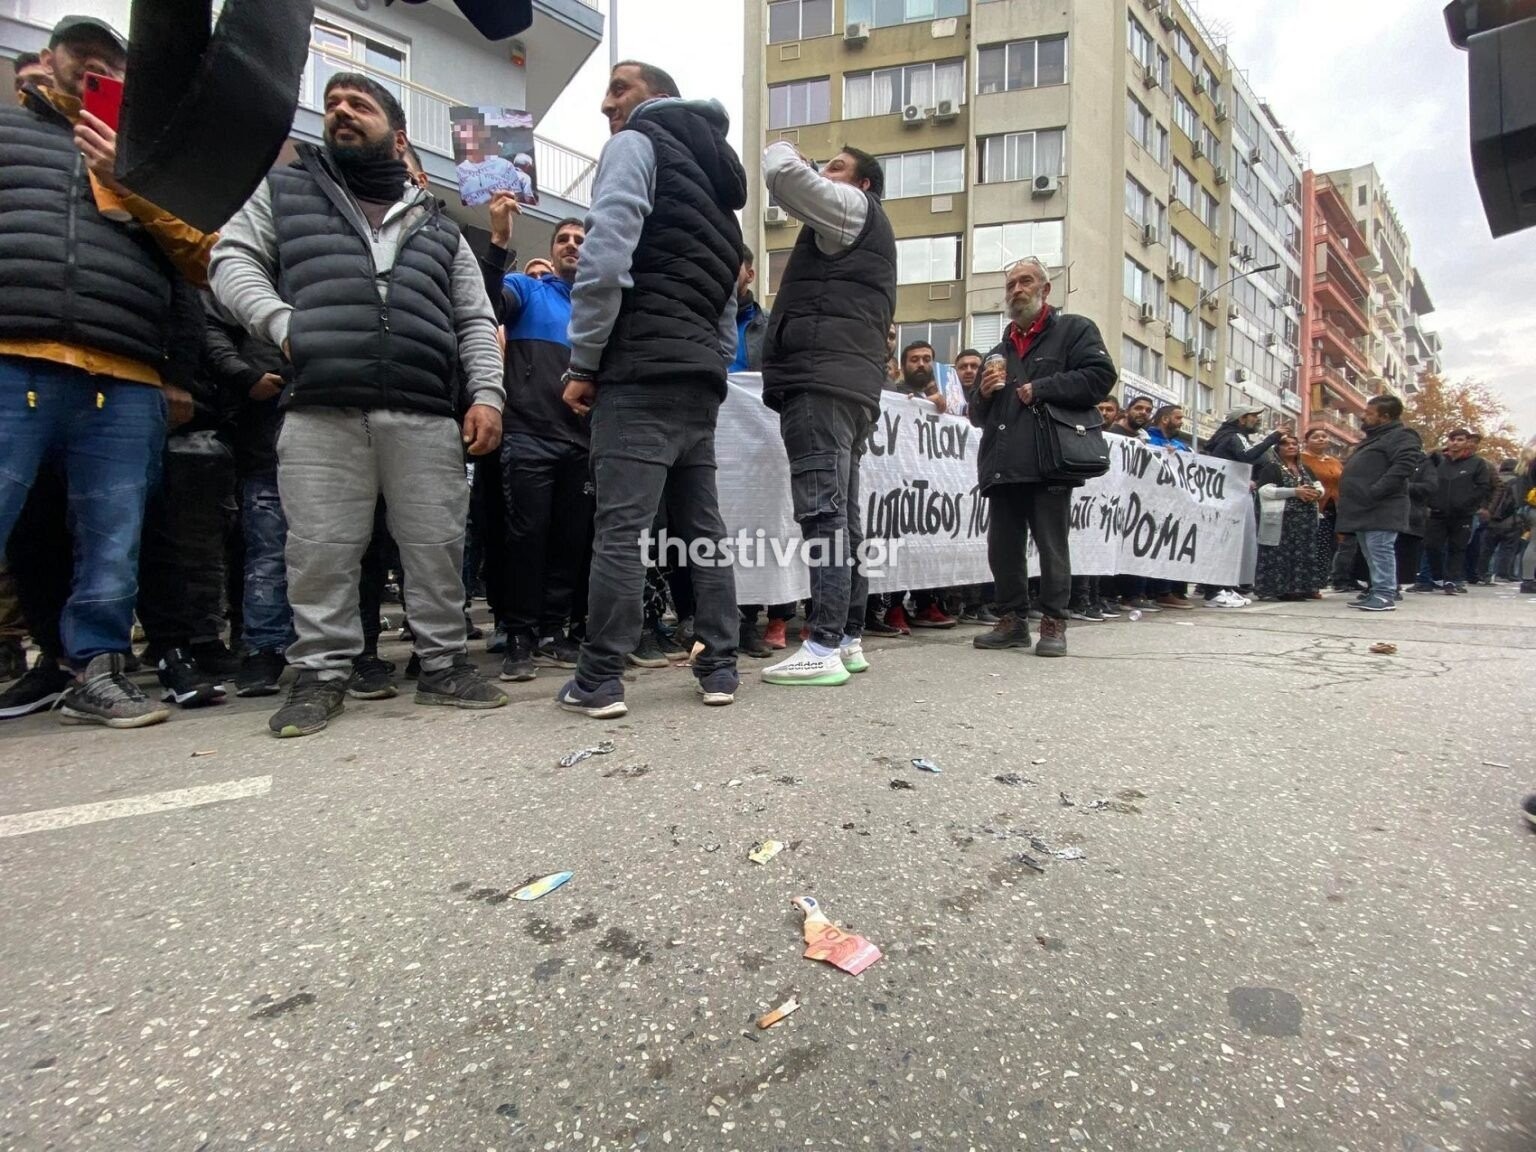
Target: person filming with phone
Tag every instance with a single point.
(97, 284)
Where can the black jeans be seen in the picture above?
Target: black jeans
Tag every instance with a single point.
(548, 501)
(1346, 559)
(41, 559)
(824, 438)
(181, 555)
(651, 443)
(1017, 511)
(488, 533)
(1410, 550)
(1445, 544)
(381, 556)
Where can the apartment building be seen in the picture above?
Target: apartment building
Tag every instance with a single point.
(431, 58)
(1338, 275)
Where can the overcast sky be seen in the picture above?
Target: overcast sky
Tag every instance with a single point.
(1357, 80)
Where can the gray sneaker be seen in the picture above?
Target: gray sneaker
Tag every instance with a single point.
(102, 694)
(311, 704)
(459, 685)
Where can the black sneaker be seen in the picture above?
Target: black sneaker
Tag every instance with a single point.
(372, 678)
(1089, 612)
(215, 659)
(1528, 587)
(1375, 604)
(556, 652)
(497, 644)
(752, 643)
(103, 694)
(604, 702)
(719, 687)
(1460, 590)
(518, 666)
(311, 704)
(678, 642)
(1011, 631)
(459, 685)
(473, 631)
(1448, 588)
(260, 673)
(648, 653)
(13, 661)
(1109, 610)
(876, 626)
(37, 689)
(185, 682)
(1421, 587)
(1528, 806)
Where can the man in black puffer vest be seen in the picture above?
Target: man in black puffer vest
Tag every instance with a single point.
(91, 280)
(823, 369)
(653, 326)
(371, 293)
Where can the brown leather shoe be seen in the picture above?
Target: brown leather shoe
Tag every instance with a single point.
(1010, 632)
(1172, 601)
(1053, 637)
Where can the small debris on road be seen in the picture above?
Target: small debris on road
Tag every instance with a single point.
(923, 764)
(783, 1010)
(1382, 648)
(205, 752)
(903, 786)
(577, 757)
(826, 941)
(542, 887)
(1013, 779)
(765, 851)
(1028, 861)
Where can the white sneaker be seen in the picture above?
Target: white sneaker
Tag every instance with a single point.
(805, 667)
(1226, 598)
(853, 656)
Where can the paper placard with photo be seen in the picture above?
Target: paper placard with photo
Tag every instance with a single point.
(492, 151)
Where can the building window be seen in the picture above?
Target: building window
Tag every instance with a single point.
(1138, 201)
(1210, 210)
(1212, 85)
(928, 260)
(1186, 118)
(1181, 251)
(1139, 41)
(1138, 122)
(382, 58)
(1178, 384)
(1206, 398)
(924, 173)
(798, 20)
(1360, 194)
(1021, 64)
(888, 13)
(1180, 321)
(986, 330)
(1206, 274)
(1207, 337)
(1141, 287)
(1210, 144)
(1023, 155)
(799, 102)
(778, 261)
(886, 91)
(1184, 49)
(944, 335)
(995, 247)
(1141, 360)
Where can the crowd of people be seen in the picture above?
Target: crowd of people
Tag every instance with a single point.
(244, 443)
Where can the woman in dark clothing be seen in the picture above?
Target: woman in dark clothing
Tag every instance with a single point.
(1290, 565)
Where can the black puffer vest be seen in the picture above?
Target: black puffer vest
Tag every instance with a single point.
(351, 348)
(831, 316)
(685, 265)
(67, 273)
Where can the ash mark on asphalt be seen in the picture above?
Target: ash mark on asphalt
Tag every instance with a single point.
(1265, 1011)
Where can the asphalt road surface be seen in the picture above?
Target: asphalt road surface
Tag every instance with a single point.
(1299, 917)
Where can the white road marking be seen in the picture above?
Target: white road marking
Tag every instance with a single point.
(51, 819)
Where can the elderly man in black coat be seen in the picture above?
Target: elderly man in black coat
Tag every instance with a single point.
(1046, 357)
(1373, 495)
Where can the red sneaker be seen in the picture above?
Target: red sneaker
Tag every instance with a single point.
(773, 635)
(933, 617)
(896, 617)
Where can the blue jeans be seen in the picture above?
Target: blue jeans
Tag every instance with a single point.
(1380, 550)
(107, 435)
(268, 617)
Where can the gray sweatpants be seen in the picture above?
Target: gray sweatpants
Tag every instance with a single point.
(332, 465)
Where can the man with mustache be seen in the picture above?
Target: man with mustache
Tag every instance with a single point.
(1046, 357)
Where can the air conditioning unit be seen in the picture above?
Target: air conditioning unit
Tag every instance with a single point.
(1199, 85)
(1246, 254)
(1044, 186)
(1176, 271)
(774, 216)
(1234, 312)
(1255, 154)
(1221, 112)
(1165, 18)
(856, 35)
(1241, 375)
(1149, 78)
(1290, 195)
(1271, 340)
(912, 115)
(1211, 302)
(1221, 175)
(945, 110)
(1232, 247)
(1207, 357)
(1197, 148)
(1148, 235)
(1148, 313)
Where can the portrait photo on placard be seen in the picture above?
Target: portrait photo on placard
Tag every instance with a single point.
(492, 152)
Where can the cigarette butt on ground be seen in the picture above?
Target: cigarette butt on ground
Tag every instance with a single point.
(778, 1014)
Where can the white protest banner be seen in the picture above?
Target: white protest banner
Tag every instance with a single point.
(1174, 517)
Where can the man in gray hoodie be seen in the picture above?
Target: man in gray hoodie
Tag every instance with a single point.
(653, 327)
(378, 303)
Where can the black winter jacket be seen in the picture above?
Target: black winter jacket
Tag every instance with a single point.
(67, 273)
(1068, 365)
(1227, 443)
(234, 360)
(1462, 487)
(1373, 491)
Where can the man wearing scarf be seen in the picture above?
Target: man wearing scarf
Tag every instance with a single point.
(378, 303)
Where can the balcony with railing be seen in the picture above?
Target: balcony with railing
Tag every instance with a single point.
(1336, 293)
(561, 171)
(1345, 427)
(1344, 346)
(1336, 381)
(1340, 261)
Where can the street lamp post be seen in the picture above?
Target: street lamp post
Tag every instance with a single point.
(1194, 424)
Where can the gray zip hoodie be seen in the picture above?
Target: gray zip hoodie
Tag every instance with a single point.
(623, 195)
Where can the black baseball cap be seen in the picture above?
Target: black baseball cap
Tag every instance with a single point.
(82, 27)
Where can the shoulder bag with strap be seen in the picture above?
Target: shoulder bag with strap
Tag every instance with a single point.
(1070, 444)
